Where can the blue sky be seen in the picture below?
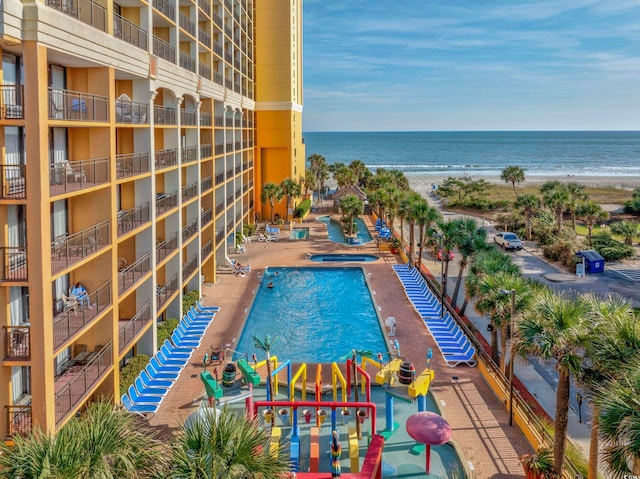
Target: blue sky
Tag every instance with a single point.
(434, 65)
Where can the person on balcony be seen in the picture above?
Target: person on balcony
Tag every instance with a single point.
(80, 294)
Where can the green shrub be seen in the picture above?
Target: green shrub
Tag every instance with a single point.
(610, 248)
(188, 300)
(561, 252)
(166, 329)
(302, 209)
(249, 230)
(130, 372)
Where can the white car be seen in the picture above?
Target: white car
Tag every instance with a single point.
(508, 240)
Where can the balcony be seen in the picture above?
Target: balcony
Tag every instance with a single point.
(86, 11)
(205, 6)
(206, 183)
(73, 386)
(189, 154)
(73, 319)
(205, 72)
(189, 230)
(14, 263)
(207, 249)
(205, 152)
(67, 176)
(165, 291)
(189, 191)
(66, 250)
(166, 158)
(219, 207)
(205, 120)
(218, 121)
(166, 202)
(162, 49)
(11, 102)
(163, 115)
(188, 117)
(217, 19)
(18, 420)
(77, 106)
(18, 343)
(132, 164)
(13, 183)
(219, 236)
(168, 9)
(187, 62)
(129, 329)
(133, 218)
(131, 112)
(187, 24)
(204, 38)
(219, 150)
(190, 267)
(218, 50)
(165, 248)
(129, 32)
(130, 275)
(229, 173)
(206, 217)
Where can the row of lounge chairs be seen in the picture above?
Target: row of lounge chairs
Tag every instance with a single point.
(154, 382)
(454, 345)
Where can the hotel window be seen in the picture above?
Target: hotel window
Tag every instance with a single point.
(11, 69)
(20, 383)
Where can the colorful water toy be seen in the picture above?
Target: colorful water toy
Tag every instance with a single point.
(430, 429)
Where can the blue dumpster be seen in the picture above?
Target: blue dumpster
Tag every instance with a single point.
(593, 261)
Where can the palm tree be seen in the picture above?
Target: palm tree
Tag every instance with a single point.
(425, 216)
(272, 193)
(105, 441)
(556, 197)
(318, 165)
(352, 207)
(309, 182)
(361, 171)
(528, 204)
(557, 329)
(592, 213)
(290, 189)
(344, 176)
(265, 344)
(224, 445)
(472, 240)
(451, 235)
(577, 196)
(513, 175)
(629, 230)
(403, 213)
(393, 199)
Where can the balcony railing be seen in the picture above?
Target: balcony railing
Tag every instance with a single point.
(189, 191)
(219, 207)
(133, 218)
(229, 172)
(86, 11)
(218, 50)
(206, 217)
(166, 158)
(204, 37)
(131, 112)
(164, 115)
(188, 62)
(206, 183)
(129, 32)
(205, 6)
(67, 250)
(217, 19)
(166, 202)
(77, 106)
(187, 24)
(189, 154)
(14, 263)
(205, 120)
(168, 9)
(75, 317)
(165, 291)
(11, 102)
(164, 248)
(130, 329)
(80, 382)
(207, 249)
(189, 230)
(18, 420)
(204, 71)
(13, 182)
(188, 117)
(162, 49)
(218, 121)
(130, 275)
(190, 267)
(132, 164)
(219, 236)
(66, 176)
(205, 152)
(219, 150)
(18, 343)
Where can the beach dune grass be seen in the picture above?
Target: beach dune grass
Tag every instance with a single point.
(601, 195)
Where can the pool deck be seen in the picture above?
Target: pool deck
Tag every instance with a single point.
(479, 421)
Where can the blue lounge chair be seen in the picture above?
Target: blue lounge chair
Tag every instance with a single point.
(464, 348)
(207, 308)
(194, 326)
(140, 399)
(154, 383)
(138, 408)
(203, 312)
(171, 348)
(156, 375)
(189, 333)
(165, 360)
(164, 368)
(149, 390)
(182, 342)
(456, 359)
(175, 354)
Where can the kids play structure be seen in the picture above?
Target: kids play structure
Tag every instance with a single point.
(294, 407)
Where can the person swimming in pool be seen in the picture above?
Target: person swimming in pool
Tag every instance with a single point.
(270, 285)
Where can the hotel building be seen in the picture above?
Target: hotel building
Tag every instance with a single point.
(135, 135)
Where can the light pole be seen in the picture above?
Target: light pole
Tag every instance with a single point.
(511, 292)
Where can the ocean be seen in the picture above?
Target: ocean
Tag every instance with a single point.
(555, 153)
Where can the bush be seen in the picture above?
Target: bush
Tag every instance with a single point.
(561, 252)
(249, 230)
(611, 249)
(166, 329)
(188, 300)
(302, 209)
(129, 373)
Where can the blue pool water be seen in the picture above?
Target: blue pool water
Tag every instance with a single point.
(343, 258)
(318, 314)
(336, 234)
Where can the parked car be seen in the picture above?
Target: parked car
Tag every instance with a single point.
(451, 255)
(508, 240)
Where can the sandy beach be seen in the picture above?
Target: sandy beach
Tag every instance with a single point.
(423, 184)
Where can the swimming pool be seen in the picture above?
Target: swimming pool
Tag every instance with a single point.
(299, 234)
(336, 234)
(318, 314)
(343, 258)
